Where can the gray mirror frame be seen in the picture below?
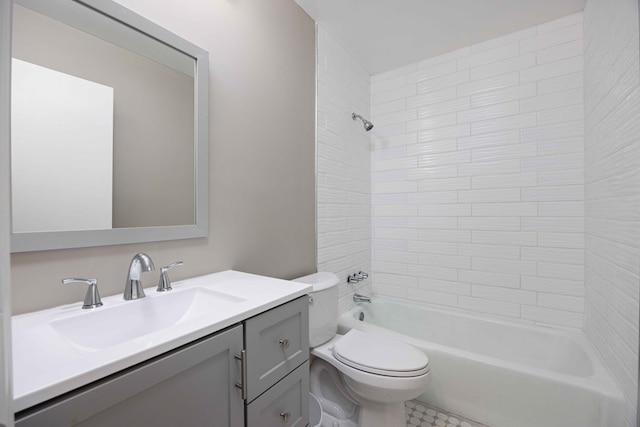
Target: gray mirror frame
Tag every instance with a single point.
(39, 241)
(6, 393)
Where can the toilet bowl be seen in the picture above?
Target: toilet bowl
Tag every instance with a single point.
(377, 373)
(361, 379)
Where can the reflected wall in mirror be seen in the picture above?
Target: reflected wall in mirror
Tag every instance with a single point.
(153, 143)
(61, 151)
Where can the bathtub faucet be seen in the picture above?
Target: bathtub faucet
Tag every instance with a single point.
(357, 277)
(361, 298)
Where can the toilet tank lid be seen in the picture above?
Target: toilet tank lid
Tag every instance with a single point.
(320, 280)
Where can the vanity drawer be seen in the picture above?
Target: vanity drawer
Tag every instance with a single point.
(277, 342)
(284, 405)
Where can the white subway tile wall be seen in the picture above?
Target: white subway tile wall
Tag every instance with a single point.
(504, 178)
(344, 166)
(478, 177)
(612, 188)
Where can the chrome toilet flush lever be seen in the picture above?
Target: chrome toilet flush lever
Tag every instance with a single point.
(164, 284)
(92, 297)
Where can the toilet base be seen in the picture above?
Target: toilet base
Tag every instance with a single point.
(382, 415)
(359, 397)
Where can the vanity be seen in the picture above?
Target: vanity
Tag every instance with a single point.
(224, 349)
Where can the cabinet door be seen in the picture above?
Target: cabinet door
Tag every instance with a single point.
(191, 386)
(286, 404)
(277, 342)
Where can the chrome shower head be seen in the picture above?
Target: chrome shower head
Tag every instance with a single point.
(367, 124)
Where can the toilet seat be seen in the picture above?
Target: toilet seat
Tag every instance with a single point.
(380, 355)
(372, 387)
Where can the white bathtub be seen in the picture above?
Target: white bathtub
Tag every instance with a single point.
(500, 373)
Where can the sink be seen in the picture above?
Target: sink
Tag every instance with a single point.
(62, 348)
(108, 326)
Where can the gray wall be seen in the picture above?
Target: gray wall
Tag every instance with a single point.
(261, 156)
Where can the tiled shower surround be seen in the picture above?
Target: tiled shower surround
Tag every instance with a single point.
(504, 178)
(344, 167)
(478, 179)
(612, 187)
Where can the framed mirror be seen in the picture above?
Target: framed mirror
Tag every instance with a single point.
(109, 127)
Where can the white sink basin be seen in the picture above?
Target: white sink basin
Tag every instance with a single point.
(62, 348)
(107, 326)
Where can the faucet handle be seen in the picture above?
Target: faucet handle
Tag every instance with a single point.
(92, 297)
(164, 283)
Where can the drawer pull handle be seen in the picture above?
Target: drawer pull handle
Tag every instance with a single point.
(242, 357)
(284, 343)
(285, 416)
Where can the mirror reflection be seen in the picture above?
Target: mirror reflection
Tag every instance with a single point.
(103, 136)
(62, 129)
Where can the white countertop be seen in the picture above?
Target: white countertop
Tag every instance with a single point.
(46, 364)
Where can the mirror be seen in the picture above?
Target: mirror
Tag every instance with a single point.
(109, 128)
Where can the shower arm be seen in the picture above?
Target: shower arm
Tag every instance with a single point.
(367, 124)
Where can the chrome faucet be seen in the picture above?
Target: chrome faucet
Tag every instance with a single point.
(361, 298)
(133, 287)
(357, 277)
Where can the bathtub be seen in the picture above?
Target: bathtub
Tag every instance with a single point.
(500, 373)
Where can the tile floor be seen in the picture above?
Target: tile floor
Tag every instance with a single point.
(419, 414)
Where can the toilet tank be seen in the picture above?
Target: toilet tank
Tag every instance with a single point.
(323, 306)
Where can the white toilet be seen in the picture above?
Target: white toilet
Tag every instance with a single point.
(361, 379)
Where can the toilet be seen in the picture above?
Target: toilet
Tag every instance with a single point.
(361, 379)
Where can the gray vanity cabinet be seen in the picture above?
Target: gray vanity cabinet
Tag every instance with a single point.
(190, 386)
(284, 404)
(277, 346)
(202, 383)
(277, 342)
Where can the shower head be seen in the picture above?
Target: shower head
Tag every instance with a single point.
(367, 124)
